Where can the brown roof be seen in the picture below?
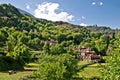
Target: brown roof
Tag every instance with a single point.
(95, 57)
(90, 52)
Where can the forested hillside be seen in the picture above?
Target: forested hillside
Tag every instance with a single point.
(25, 39)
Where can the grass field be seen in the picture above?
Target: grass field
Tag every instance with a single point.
(88, 71)
(29, 69)
(17, 76)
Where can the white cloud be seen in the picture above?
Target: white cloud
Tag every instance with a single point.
(83, 24)
(27, 6)
(93, 3)
(83, 17)
(47, 10)
(101, 3)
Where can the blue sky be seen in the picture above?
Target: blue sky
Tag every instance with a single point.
(81, 12)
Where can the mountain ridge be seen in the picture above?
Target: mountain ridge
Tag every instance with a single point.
(18, 12)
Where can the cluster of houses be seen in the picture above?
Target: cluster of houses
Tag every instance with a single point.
(86, 54)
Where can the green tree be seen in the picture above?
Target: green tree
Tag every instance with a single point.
(3, 38)
(20, 53)
(77, 37)
(112, 68)
(46, 48)
(57, 49)
(101, 47)
(61, 37)
(56, 67)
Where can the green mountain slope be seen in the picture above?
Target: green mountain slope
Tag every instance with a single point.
(44, 30)
(22, 36)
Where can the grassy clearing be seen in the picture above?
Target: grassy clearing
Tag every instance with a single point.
(17, 76)
(82, 63)
(32, 65)
(29, 69)
(89, 71)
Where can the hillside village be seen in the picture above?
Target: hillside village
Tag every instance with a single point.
(48, 50)
(86, 54)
